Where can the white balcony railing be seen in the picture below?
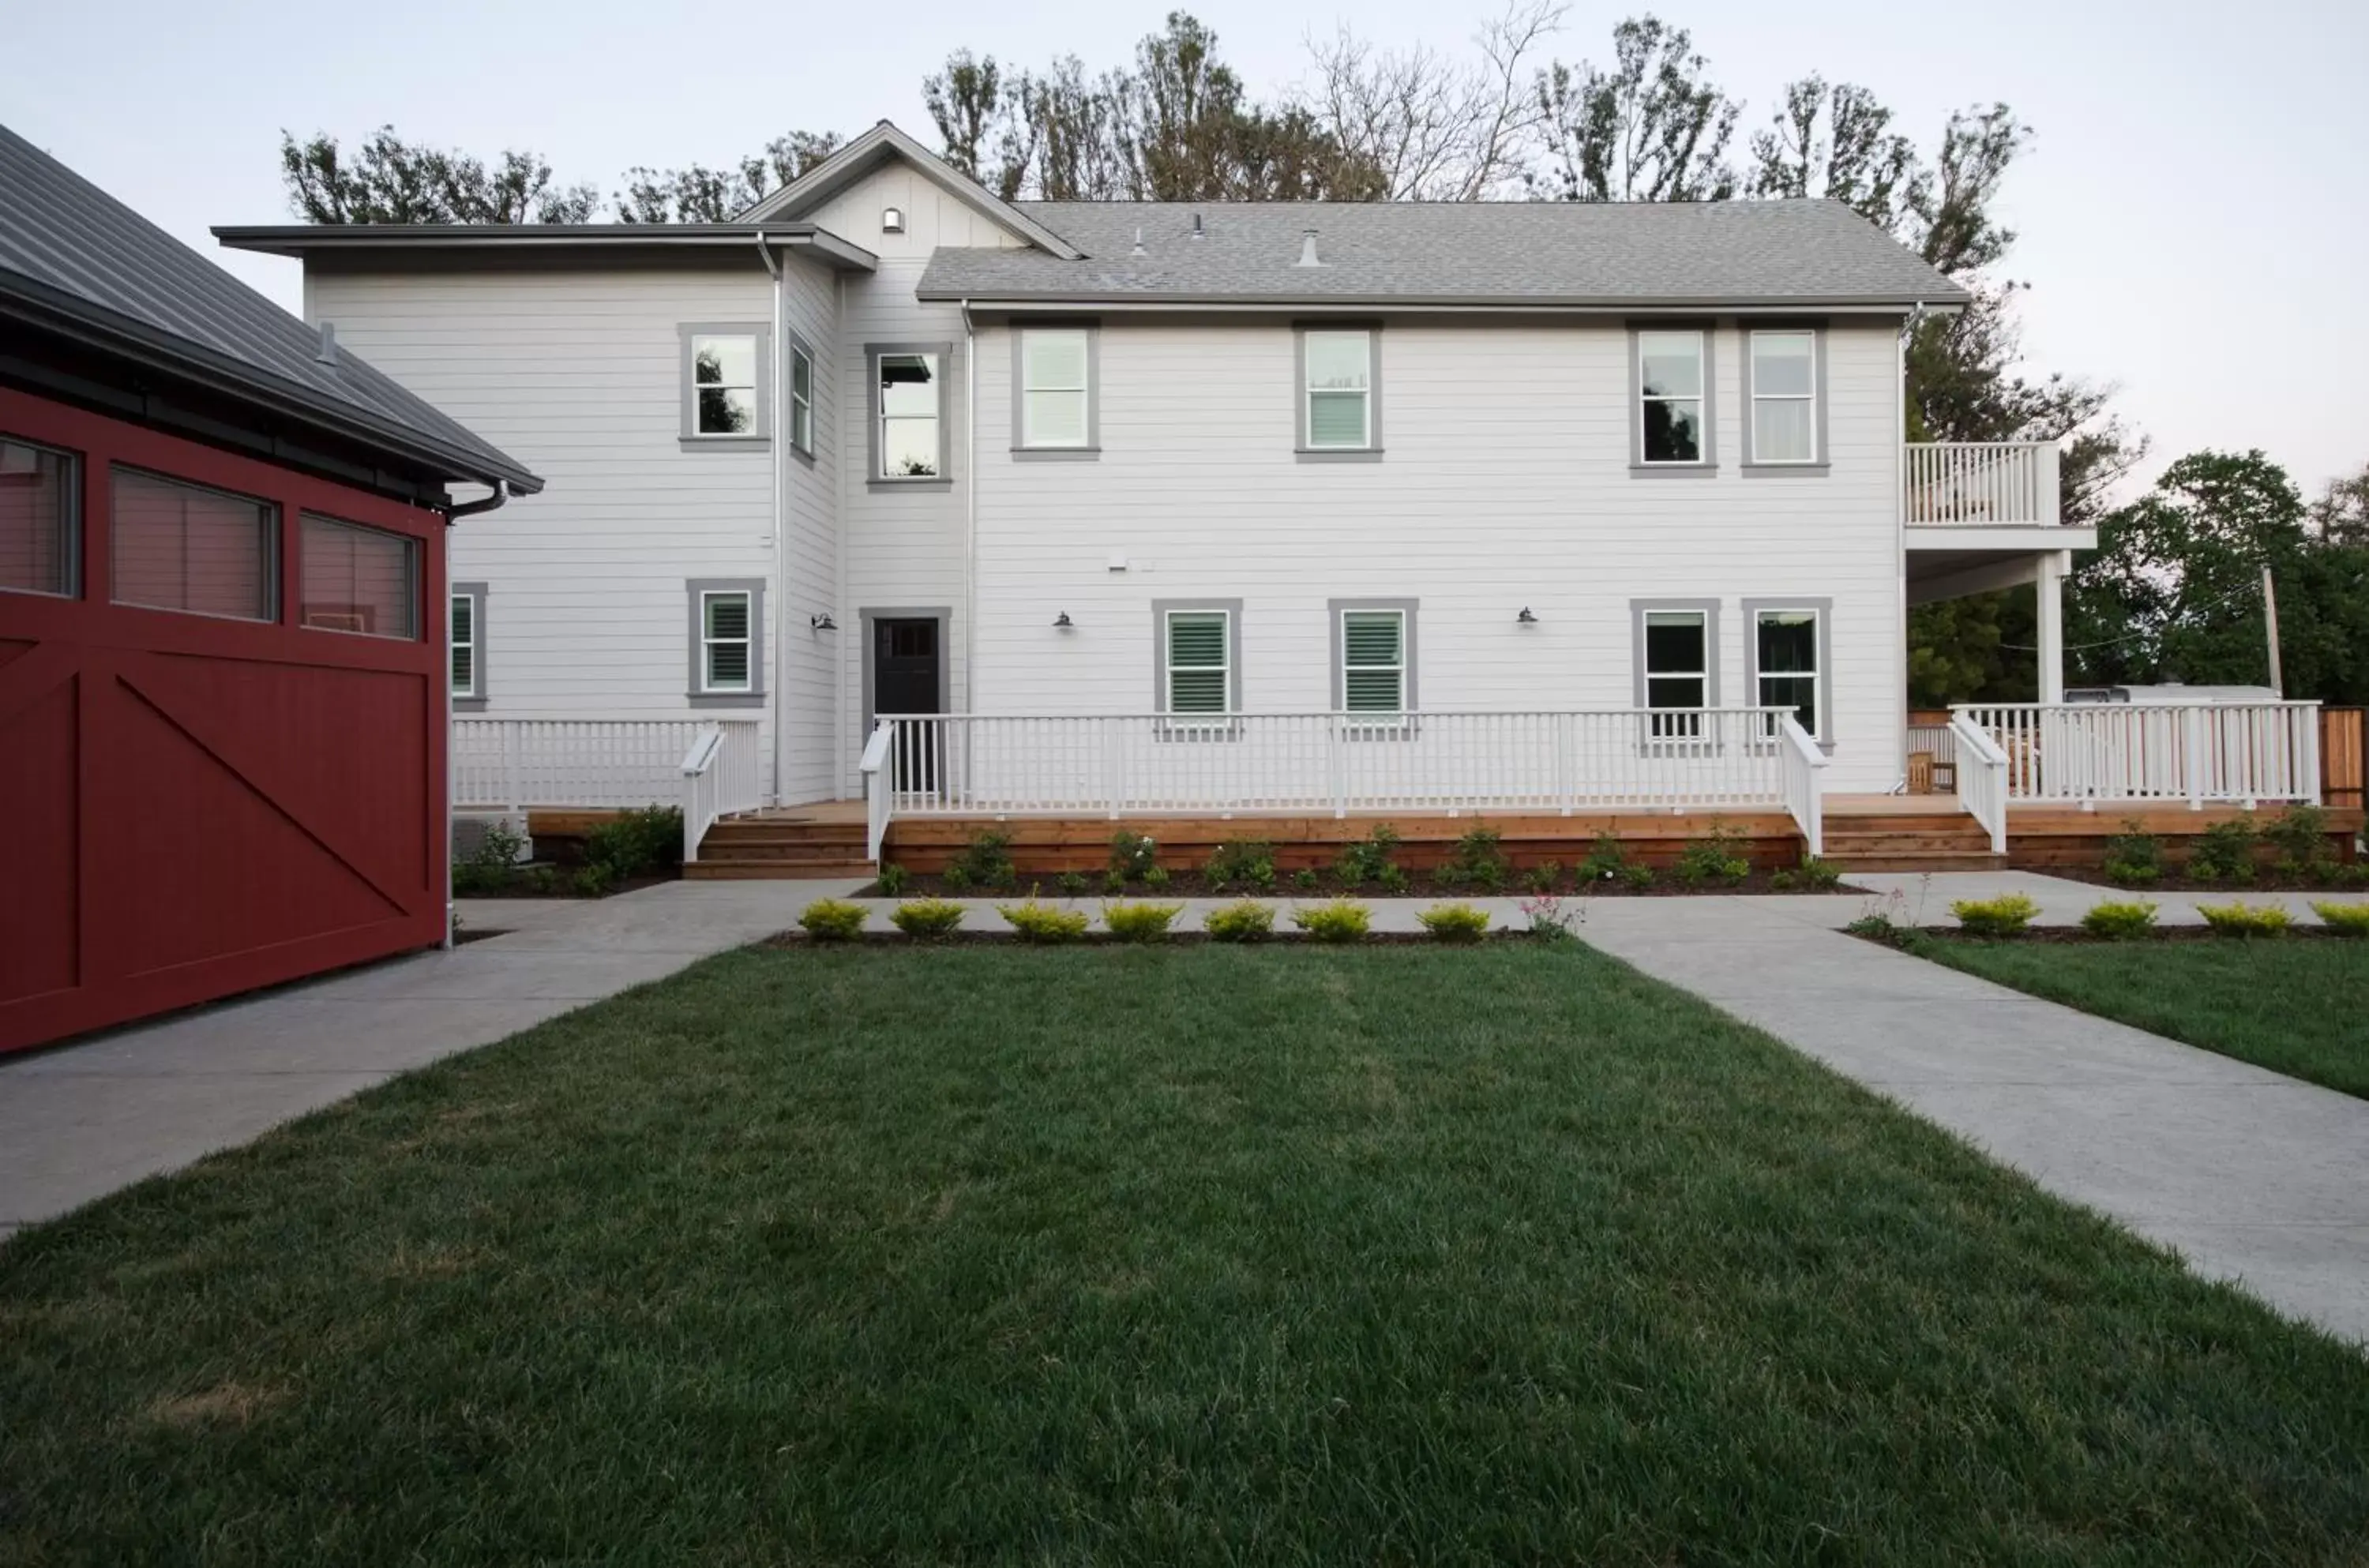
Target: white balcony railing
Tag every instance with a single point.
(504, 764)
(1979, 485)
(1144, 764)
(2196, 752)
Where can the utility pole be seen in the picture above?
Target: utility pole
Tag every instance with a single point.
(2270, 627)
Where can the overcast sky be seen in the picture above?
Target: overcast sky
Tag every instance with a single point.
(2194, 213)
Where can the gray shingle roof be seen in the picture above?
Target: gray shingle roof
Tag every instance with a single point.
(73, 258)
(1737, 254)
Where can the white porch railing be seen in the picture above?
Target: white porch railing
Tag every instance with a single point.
(878, 791)
(720, 776)
(508, 764)
(1122, 764)
(1979, 485)
(1805, 781)
(2197, 752)
(1981, 778)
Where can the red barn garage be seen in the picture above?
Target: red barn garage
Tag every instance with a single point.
(223, 665)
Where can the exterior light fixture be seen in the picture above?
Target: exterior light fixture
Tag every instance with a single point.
(822, 623)
(892, 219)
(1062, 623)
(1526, 618)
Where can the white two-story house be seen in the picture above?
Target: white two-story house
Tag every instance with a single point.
(1158, 508)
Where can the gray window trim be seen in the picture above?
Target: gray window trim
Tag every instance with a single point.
(949, 378)
(1638, 466)
(1092, 450)
(755, 696)
(1822, 463)
(474, 592)
(1640, 608)
(1160, 608)
(1335, 609)
(70, 500)
(1824, 607)
(798, 345)
(691, 440)
(943, 614)
(1372, 451)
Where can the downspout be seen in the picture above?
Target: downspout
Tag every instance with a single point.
(453, 514)
(971, 514)
(1900, 534)
(776, 643)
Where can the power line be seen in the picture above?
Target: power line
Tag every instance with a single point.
(2130, 636)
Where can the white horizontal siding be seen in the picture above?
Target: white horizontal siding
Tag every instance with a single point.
(1506, 484)
(808, 659)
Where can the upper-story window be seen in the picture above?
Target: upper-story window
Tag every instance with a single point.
(909, 438)
(38, 503)
(801, 400)
(1337, 391)
(1784, 380)
(724, 384)
(1673, 391)
(357, 579)
(1056, 393)
(181, 546)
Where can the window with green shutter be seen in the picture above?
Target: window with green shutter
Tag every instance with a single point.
(1200, 661)
(1340, 390)
(725, 642)
(464, 645)
(1373, 661)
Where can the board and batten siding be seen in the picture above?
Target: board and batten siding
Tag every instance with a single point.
(1504, 483)
(577, 373)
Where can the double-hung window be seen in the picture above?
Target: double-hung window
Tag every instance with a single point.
(905, 417)
(38, 503)
(1785, 662)
(1678, 671)
(1337, 390)
(1673, 392)
(727, 633)
(468, 682)
(1784, 379)
(1056, 394)
(801, 400)
(1197, 675)
(1373, 661)
(723, 371)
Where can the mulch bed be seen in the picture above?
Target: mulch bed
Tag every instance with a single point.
(1105, 939)
(2074, 936)
(1419, 885)
(464, 935)
(2264, 882)
(564, 885)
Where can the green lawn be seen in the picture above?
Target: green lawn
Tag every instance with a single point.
(1107, 1256)
(2297, 1006)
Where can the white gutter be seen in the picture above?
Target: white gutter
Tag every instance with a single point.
(444, 683)
(776, 643)
(1900, 529)
(970, 513)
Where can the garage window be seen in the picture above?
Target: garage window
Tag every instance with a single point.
(180, 546)
(357, 579)
(38, 507)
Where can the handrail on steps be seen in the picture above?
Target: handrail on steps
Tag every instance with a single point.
(1804, 790)
(698, 794)
(1981, 778)
(877, 790)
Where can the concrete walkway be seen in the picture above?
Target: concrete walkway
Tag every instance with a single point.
(79, 1122)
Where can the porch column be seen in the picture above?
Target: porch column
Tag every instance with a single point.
(2050, 585)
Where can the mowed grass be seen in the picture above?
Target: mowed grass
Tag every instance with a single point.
(1098, 1256)
(2296, 1006)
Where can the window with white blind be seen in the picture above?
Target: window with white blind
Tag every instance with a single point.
(353, 579)
(1339, 391)
(1199, 673)
(1782, 378)
(1055, 402)
(181, 546)
(1373, 650)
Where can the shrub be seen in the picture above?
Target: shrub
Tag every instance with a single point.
(956, 876)
(1044, 924)
(1542, 878)
(1132, 855)
(2006, 915)
(1248, 921)
(2242, 919)
(1156, 877)
(832, 920)
(1781, 881)
(634, 843)
(925, 920)
(1479, 858)
(1248, 862)
(986, 860)
(2120, 922)
(540, 878)
(1113, 882)
(1454, 923)
(2134, 856)
(2300, 835)
(1606, 860)
(1877, 926)
(2344, 920)
(1072, 883)
(1304, 880)
(1820, 875)
(1340, 919)
(1368, 860)
(592, 881)
(2223, 852)
(1550, 919)
(892, 881)
(1394, 879)
(1637, 878)
(1717, 857)
(490, 867)
(1140, 923)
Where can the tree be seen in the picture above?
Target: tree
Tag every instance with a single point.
(1838, 142)
(1651, 129)
(964, 100)
(702, 195)
(389, 180)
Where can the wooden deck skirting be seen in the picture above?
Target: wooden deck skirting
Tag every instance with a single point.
(2041, 837)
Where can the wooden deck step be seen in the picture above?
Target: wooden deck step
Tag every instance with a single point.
(774, 870)
(1909, 840)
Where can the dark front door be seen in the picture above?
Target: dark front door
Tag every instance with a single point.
(904, 663)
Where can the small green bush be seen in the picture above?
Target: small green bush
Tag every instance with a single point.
(1113, 882)
(2223, 852)
(638, 843)
(1878, 927)
(2242, 919)
(1340, 919)
(1248, 921)
(1717, 857)
(2134, 856)
(1241, 863)
(1072, 883)
(492, 866)
(1132, 855)
(1783, 881)
(1479, 858)
(1541, 878)
(1393, 879)
(2120, 921)
(2006, 915)
(2344, 920)
(955, 875)
(892, 881)
(592, 881)
(1820, 875)
(985, 861)
(1043, 923)
(1304, 880)
(1368, 859)
(1140, 923)
(1454, 923)
(1638, 877)
(540, 878)
(925, 920)
(2300, 835)
(1156, 877)
(832, 920)
(1606, 860)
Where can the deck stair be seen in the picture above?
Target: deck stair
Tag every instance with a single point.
(1909, 836)
(781, 844)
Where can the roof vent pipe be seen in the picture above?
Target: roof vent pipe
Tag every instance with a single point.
(328, 352)
(1139, 244)
(1197, 225)
(1308, 249)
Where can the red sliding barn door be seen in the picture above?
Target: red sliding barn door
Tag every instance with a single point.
(237, 780)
